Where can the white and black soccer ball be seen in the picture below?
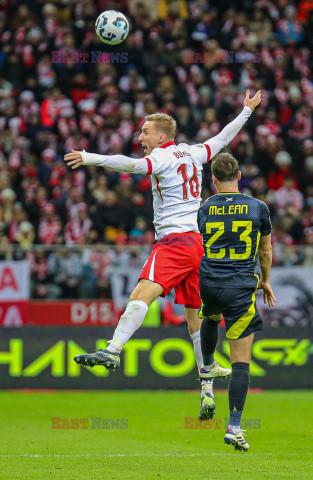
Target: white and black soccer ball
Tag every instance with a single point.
(112, 27)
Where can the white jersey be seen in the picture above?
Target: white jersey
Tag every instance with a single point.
(176, 177)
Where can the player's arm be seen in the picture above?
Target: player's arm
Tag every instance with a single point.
(265, 260)
(220, 141)
(119, 163)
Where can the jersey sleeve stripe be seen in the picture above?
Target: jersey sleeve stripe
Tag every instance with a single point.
(149, 165)
(209, 151)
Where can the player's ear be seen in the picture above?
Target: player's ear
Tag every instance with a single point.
(214, 179)
(239, 175)
(162, 137)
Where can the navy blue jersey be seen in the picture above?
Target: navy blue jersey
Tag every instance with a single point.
(231, 225)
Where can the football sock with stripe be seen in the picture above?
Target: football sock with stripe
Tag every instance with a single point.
(237, 392)
(209, 337)
(206, 385)
(130, 321)
(195, 337)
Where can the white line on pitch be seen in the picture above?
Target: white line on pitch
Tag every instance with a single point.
(56, 455)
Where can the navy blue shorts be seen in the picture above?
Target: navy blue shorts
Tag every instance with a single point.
(237, 306)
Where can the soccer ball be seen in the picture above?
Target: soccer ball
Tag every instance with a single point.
(112, 27)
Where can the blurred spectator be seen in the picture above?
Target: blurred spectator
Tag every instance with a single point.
(42, 284)
(66, 268)
(100, 260)
(137, 233)
(306, 176)
(26, 236)
(19, 216)
(276, 178)
(49, 226)
(6, 248)
(280, 238)
(34, 207)
(304, 9)
(73, 202)
(77, 228)
(288, 196)
(100, 189)
(289, 30)
(7, 199)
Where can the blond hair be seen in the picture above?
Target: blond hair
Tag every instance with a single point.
(164, 123)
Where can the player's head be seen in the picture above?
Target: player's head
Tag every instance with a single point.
(225, 170)
(158, 129)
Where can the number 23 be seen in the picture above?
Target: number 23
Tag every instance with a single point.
(244, 237)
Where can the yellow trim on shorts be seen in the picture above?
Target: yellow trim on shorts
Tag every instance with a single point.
(216, 318)
(242, 323)
(200, 314)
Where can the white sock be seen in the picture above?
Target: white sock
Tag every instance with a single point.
(235, 428)
(130, 321)
(207, 387)
(197, 348)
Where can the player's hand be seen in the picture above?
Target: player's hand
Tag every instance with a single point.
(73, 159)
(268, 295)
(252, 102)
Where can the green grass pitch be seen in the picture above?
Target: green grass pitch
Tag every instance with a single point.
(156, 443)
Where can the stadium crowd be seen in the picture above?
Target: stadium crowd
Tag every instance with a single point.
(193, 60)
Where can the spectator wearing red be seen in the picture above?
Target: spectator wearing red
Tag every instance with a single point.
(304, 9)
(52, 106)
(287, 196)
(81, 90)
(276, 178)
(30, 184)
(301, 124)
(49, 226)
(78, 227)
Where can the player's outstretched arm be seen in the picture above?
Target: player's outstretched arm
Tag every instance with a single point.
(119, 163)
(228, 133)
(265, 259)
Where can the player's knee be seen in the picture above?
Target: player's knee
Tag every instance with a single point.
(139, 294)
(135, 293)
(193, 325)
(146, 291)
(193, 321)
(216, 318)
(241, 370)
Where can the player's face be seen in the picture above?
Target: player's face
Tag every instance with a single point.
(150, 137)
